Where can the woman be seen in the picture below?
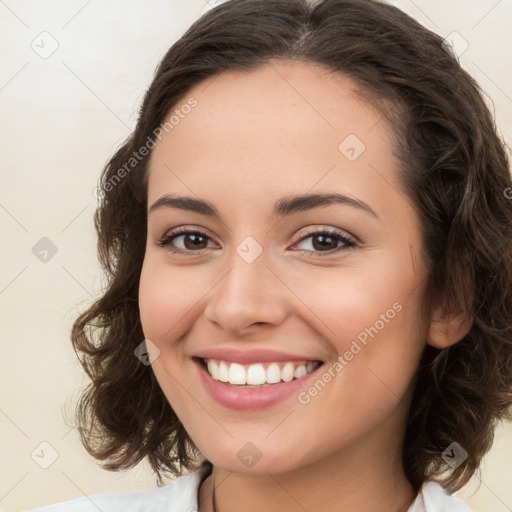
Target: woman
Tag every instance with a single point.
(309, 249)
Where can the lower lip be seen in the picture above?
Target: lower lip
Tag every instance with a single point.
(240, 398)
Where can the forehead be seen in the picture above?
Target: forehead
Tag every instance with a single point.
(287, 97)
(285, 124)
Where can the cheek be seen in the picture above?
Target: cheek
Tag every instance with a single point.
(165, 295)
(163, 299)
(370, 316)
(352, 298)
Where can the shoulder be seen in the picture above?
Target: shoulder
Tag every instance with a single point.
(178, 496)
(434, 498)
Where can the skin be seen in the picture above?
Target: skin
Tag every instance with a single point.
(253, 138)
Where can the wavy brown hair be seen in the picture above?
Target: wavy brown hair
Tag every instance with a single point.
(454, 168)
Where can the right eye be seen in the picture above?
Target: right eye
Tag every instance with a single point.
(196, 238)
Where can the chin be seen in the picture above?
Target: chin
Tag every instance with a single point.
(251, 460)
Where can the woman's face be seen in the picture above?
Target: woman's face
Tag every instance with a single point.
(263, 275)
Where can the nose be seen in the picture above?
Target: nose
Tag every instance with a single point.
(247, 295)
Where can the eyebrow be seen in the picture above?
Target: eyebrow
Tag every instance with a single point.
(285, 206)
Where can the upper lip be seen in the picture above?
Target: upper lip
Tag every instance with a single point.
(251, 356)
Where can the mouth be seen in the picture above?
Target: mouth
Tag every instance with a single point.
(257, 375)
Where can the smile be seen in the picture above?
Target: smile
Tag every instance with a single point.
(277, 381)
(258, 374)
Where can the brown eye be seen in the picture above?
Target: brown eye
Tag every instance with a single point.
(327, 241)
(197, 241)
(324, 242)
(191, 241)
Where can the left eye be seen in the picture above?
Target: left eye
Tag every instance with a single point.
(327, 241)
(321, 241)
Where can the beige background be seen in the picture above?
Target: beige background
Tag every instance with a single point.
(62, 117)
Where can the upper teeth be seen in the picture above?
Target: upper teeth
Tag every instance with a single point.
(260, 373)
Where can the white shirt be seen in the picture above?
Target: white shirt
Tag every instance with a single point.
(181, 496)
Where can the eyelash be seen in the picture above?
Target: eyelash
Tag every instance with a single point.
(169, 237)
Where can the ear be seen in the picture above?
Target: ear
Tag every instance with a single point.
(446, 329)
